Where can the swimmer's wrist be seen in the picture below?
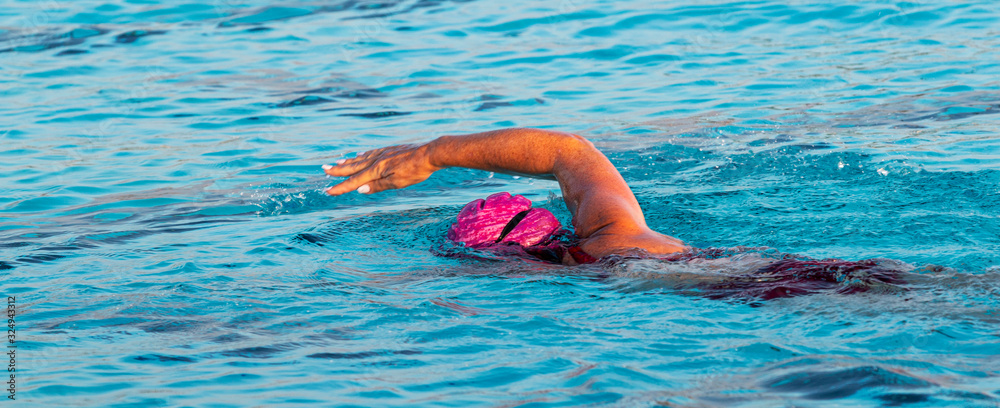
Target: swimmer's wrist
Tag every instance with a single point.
(432, 153)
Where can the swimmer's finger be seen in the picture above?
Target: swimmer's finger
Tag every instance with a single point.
(364, 156)
(346, 186)
(346, 169)
(394, 180)
(354, 182)
(376, 153)
(382, 184)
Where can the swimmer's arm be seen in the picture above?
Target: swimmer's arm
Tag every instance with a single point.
(594, 191)
(605, 212)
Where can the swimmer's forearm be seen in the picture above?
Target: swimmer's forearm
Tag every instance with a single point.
(518, 151)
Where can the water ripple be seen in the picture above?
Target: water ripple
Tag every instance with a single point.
(163, 224)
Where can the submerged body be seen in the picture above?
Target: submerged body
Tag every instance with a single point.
(764, 274)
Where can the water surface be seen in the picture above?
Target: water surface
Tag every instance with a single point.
(164, 230)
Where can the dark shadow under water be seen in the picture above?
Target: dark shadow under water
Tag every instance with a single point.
(760, 274)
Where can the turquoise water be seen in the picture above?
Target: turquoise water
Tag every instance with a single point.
(164, 231)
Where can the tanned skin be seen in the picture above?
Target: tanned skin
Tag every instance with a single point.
(606, 215)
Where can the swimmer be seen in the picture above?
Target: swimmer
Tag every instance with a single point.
(606, 217)
(606, 220)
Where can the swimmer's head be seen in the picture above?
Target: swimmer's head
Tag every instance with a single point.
(502, 218)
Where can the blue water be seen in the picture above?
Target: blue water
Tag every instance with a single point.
(164, 231)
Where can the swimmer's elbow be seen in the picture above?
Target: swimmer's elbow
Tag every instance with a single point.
(575, 146)
(579, 141)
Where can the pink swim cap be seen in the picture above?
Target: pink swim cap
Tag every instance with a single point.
(503, 218)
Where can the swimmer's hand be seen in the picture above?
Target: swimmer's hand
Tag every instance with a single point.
(382, 169)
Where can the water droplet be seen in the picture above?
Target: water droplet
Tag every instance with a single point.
(491, 175)
(883, 172)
